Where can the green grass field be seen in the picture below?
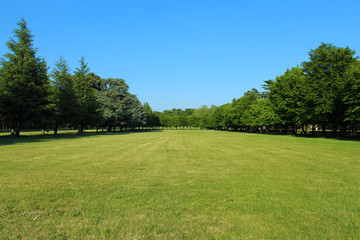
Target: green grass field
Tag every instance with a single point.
(191, 184)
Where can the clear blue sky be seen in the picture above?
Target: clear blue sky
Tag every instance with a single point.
(183, 54)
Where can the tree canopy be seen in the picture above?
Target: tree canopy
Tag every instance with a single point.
(323, 92)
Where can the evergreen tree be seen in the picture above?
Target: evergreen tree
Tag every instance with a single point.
(86, 94)
(152, 119)
(67, 105)
(24, 85)
(134, 112)
(148, 114)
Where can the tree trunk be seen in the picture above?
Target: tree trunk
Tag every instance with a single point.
(323, 130)
(80, 129)
(313, 130)
(343, 130)
(17, 130)
(303, 129)
(55, 130)
(334, 129)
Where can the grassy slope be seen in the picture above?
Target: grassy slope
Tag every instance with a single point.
(179, 184)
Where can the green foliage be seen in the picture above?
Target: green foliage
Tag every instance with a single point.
(324, 91)
(286, 94)
(67, 105)
(86, 94)
(118, 106)
(325, 83)
(24, 85)
(351, 95)
(134, 115)
(111, 99)
(152, 119)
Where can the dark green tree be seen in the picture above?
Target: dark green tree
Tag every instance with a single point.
(86, 94)
(67, 105)
(135, 116)
(25, 98)
(111, 97)
(148, 114)
(152, 119)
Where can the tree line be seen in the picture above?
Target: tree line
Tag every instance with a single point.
(32, 98)
(321, 93)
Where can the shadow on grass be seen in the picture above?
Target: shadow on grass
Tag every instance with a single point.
(318, 135)
(346, 138)
(10, 140)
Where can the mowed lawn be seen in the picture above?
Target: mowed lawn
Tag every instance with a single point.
(174, 184)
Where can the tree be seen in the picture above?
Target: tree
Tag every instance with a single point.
(240, 109)
(287, 97)
(111, 97)
(67, 105)
(24, 85)
(152, 119)
(351, 95)
(86, 94)
(134, 114)
(325, 81)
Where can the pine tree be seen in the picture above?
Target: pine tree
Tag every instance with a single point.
(24, 84)
(67, 105)
(86, 94)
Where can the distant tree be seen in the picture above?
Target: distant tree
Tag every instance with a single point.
(261, 115)
(203, 116)
(183, 120)
(189, 111)
(228, 114)
(218, 117)
(67, 105)
(25, 98)
(152, 119)
(86, 94)
(135, 116)
(239, 115)
(194, 120)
